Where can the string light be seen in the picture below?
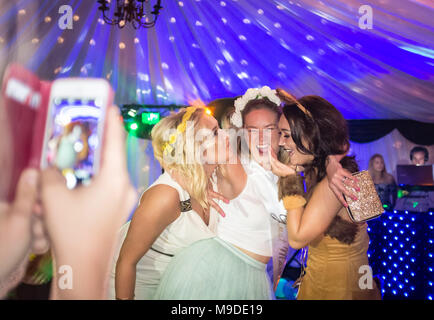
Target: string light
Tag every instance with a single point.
(410, 262)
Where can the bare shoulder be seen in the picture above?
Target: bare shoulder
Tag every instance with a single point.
(160, 199)
(323, 194)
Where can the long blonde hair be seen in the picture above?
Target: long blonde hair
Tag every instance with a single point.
(191, 172)
(377, 176)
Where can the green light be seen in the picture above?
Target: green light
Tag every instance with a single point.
(134, 126)
(400, 194)
(150, 118)
(415, 204)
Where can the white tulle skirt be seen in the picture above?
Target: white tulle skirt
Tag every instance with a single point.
(213, 269)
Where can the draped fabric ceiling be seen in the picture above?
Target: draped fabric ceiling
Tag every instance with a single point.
(209, 49)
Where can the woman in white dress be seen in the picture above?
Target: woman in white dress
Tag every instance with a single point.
(173, 212)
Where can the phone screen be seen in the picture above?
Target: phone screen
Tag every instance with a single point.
(73, 138)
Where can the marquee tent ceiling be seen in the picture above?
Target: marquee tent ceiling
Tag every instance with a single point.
(209, 49)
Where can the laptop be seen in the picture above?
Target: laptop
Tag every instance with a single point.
(415, 175)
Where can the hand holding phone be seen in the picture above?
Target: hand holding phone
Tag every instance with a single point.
(74, 128)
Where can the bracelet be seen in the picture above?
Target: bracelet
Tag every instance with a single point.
(293, 202)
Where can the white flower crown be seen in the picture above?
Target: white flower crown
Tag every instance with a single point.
(252, 94)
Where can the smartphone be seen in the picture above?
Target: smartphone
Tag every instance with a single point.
(24, 99)
(74, 128)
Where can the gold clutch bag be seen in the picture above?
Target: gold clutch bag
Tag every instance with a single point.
(368, 204)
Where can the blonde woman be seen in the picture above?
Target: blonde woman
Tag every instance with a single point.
(174, 211)
(384, 182)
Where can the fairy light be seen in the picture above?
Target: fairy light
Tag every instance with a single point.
(403, 265)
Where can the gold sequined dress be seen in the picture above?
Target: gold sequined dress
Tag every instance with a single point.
(332, 271)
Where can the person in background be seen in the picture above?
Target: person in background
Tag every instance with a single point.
(419, 156)
(415, 199)
(384, 182)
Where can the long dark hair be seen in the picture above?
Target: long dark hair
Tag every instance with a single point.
(323, 130)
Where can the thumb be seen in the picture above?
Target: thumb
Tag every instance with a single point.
(27, 193)
(52, 177)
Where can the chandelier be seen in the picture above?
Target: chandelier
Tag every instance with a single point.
(132, 11)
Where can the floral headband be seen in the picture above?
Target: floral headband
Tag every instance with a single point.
(168, 146)
(252, 94)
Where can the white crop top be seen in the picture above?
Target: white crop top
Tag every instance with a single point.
(247, 223)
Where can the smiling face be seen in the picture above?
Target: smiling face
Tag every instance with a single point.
(262, 133)
(288, 144)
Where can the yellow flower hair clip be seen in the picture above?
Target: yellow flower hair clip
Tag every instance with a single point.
(168, 146)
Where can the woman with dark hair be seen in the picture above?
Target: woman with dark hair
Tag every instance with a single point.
(384, 182)
(311, 130)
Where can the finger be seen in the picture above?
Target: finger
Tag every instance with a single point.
(273, 154)
(352, 184)
(40, 246)
(299, 168)
(217, 208)
(349, 194)
(26, 194)
(113, 152)
(216, 195)
(37, 209)
(350, 180)
(272, 159)
(40, 243)
(52, 179)
(38, 228)
(280, 168)
(347, 191)
(340, 197)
